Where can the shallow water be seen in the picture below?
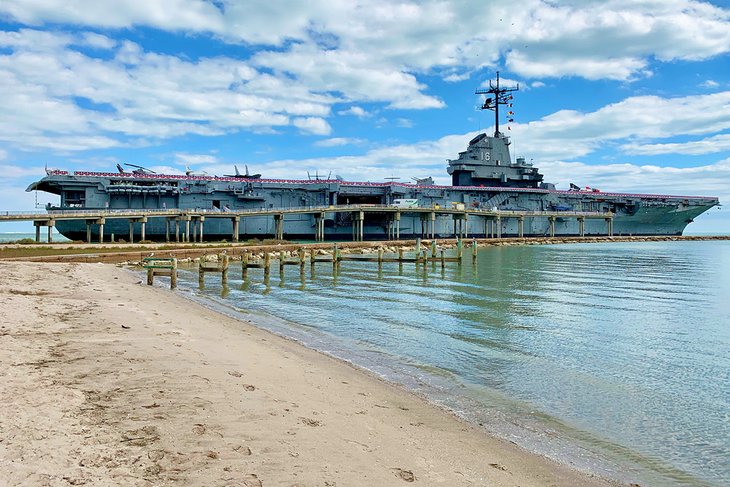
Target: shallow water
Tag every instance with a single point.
(612, 357)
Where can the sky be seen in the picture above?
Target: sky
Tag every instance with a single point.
(621, 95)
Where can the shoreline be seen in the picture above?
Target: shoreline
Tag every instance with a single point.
(111, 379)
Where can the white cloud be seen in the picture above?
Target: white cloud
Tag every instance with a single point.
(183, 158)
(313, 125)
(404, 122)
(338, 142)
(97, 41)
(11, 171)
(709, 145)
(569, 134)
(389, 42)
(709, 84)
(356, 111)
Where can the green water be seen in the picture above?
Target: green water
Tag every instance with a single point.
(612, 357)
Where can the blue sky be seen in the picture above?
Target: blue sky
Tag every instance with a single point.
(623, 95)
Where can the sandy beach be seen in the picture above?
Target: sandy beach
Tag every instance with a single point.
(106, 381)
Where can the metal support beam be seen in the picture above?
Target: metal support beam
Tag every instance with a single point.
(187, 229)
(581, 226)
(131, 230)
(521, 226)
(37, 232)
(88, 231)
(499, 227)
(201, 221)
(50, 231)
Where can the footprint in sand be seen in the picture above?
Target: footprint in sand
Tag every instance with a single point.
(235, 373)
(252, 480)
(406, 475)
(498, 466)
(249, 387)
(310, 422)
(243, 450)
(199, 429)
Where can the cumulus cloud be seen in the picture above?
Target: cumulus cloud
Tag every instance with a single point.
(709, 145)
(569, 134)
(356, 111)
(313, 125)
(539, 38)
(183, 158)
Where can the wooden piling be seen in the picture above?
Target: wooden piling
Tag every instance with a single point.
(281, 263)
(433, 248)
(224, 269)
(267, 264)
(380, 258)
(312, 255)
(443, 260)
(173, 274)
(459, 249)
(161, 266)
(244, 265)
(302, 259)
(474, 251)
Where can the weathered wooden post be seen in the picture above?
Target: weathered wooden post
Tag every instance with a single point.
(244, 265)
(380, 258)
(443, 260)
(281, 263)
(400, 258)
(267, 264)
(433, 248)
(162, 267)
(201, 271)
(474, 250)
(459, 249)
(224, 269)
(302, 258)
(312, 254)
(418, 250)
(335, 252)
(173, 274)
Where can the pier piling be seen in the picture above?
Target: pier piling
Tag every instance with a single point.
(161, 266)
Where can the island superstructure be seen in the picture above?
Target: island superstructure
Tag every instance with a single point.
(484, 177)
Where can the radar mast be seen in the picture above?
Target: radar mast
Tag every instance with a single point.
(501, 97)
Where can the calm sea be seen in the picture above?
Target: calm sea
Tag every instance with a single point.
(12, 237)
(612, 357)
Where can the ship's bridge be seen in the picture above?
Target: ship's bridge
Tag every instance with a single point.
(487, 162)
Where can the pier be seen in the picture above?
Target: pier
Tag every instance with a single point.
(184, 226)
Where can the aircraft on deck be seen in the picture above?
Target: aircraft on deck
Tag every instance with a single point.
(243, 176)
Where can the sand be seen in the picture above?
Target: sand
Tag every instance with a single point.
(106, 381)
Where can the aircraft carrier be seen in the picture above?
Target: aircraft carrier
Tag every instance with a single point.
(484, 177)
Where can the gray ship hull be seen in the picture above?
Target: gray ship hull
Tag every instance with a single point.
(485, 179)
(338, 226)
